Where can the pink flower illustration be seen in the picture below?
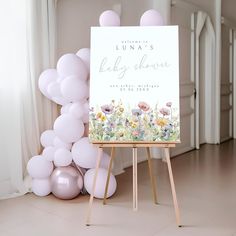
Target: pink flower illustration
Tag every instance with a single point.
(169, 104)
(143, 106)
(165, 111)
(107, 109)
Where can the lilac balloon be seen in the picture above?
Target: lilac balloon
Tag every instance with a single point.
(41, 187)
(85, 154)
(66, 182)
(54, 89)
(77, 110)
(63, 157)
(66, 108)
(68, 128)
(60, 100)
(109, 18)
(100, 184)
(84, 55)
(49, 153)
(46, 77)
(47, 138)
(151, 18)
(70, 64)
(38, 167)
(58, 143)
(73, 89)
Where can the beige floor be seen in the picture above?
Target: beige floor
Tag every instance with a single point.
(206, 189)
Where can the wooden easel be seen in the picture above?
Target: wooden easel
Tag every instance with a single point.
(134, 147)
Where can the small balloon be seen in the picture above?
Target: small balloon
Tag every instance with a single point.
(77, 110)
(151, 18)
(39, 168)
(47, 137)
(63, 157)
(84, 55)
(48, 76)
(58, 143)
(109, 18)
(41, 187)
(49, 153)
(100, 184)
(70, 64)
(68, 128)
(66, 182)
(66, 108)
(54, 89)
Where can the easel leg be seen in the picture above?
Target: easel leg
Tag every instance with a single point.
(167, 154)
(135, 180)
(94, 186)
(153, 182)
(109, 174)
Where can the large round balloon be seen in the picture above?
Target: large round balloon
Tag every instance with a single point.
(68, 128)
(47, 137)
(38, 167)
(109, 18)
(85, 154)
(66, 182)
(70, 64)
(46, 77)
(41, 187)
(73, 89)
(84, 54)
(100, 183)
(151, 18)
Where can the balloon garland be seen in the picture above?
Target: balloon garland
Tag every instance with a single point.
(66, 166)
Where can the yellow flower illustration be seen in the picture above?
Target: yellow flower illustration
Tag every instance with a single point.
(103, 118)
(99, 115)
(133, 124)
(161, 122)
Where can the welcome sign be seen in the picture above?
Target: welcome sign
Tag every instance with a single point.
(134, 85)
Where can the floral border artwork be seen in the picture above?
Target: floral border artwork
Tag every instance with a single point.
(115, 122)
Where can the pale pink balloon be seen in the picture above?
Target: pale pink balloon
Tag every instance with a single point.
(58, 143)
(109, 18)
(66, 108)
(70, 64)
(47, 138)
(85, 154)
(38, 167)
(63, 157)
(68, 128)
(41, 187)
(100, 183)
(84, 55)
(73, 89)
(54, 89)
(151, 18)
(48, 76)
(49, 153)
(77, 110)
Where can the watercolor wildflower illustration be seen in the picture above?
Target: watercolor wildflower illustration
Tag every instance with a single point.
(115, 122)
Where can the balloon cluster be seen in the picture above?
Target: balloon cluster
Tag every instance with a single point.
(67, 163)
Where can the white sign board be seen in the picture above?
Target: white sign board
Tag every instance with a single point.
(134, 84)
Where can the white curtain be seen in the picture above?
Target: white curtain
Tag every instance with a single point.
(27, 46)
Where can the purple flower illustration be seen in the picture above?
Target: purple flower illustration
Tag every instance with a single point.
(107, 109)
(136, 112)
(165, 111)
(169, 104)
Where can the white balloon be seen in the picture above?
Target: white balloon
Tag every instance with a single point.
(68, 128)
(49, 152)
(70, 64)
(41, 187)
(47, 138)
(46, 77)
(38, 167)
(54, 89)
(77, 110)
(84, 54)
(63, 157)
(73, 89)
(66, 108)
(58, 143)
(100, 184)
